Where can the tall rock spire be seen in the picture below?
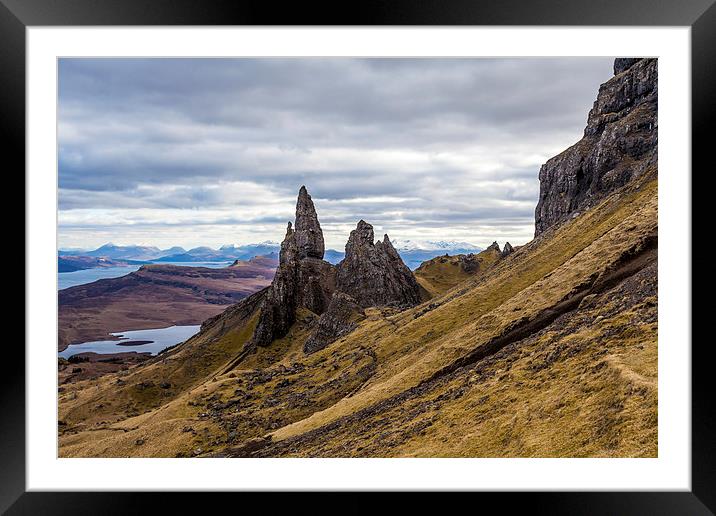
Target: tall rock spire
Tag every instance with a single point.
(302, 279)
(309, 237)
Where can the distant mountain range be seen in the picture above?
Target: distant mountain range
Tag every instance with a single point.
(434, 245)
(124, 252)
(224, 253)
(413, 252)
(70, 263)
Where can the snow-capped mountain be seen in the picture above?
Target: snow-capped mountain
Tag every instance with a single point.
(415, 252)
(130, 252)
(433, 245)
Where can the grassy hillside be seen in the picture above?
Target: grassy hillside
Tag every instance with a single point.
(549, 352)
(442, 273)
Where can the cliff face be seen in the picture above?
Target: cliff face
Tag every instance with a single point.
(619, 144)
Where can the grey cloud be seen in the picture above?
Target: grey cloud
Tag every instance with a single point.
(442, 141)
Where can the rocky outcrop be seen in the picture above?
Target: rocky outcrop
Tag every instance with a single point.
(507, 250)
(494, 246)
(622, 64)
(374, 274)
(619, 144)
(340, 319)
(278, 311)
(317, 282)
(468, 262)
(371, 274)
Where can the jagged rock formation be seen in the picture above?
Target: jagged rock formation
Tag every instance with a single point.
(302, 277)
(619, 143)
(468, 262)
(278, 311)
(374, 274)
(507, 250)
(371, 274)
(494, 246)
(623, 63)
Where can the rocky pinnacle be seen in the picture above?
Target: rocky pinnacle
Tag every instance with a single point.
(494, 246)
(302, 278)
(371, 274)
(309, 237)
(507, 250)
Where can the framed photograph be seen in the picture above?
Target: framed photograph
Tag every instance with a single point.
(411, 249)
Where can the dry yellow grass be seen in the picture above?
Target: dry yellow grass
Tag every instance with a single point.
(443, 273)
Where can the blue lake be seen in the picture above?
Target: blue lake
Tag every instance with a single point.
(72, 279)
(160, 338)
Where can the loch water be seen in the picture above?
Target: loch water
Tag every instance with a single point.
(159, 338)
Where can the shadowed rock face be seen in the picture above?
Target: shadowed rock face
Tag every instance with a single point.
(619, 144)
(299, 281)
(278, 311)
(340, 319)
(371, 274)
(624, 63)
(507, 250)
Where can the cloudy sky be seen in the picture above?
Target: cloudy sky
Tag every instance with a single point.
(213, 151)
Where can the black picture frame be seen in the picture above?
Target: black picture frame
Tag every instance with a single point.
(17, 15)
